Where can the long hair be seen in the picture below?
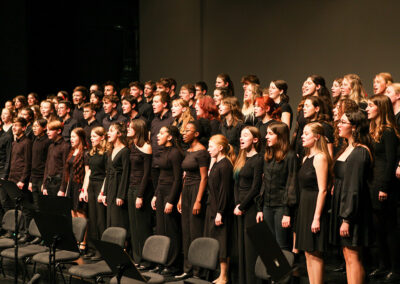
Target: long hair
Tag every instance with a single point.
(344, 106)
(121, 129)
(320, 115)
(357, 93)
(141, 132)
(102, 147)
(361, 131)
(174, 132)
(281, 85)
(227, 148)
(241, 160)
(385, 118)
(210, 109)
(270, 107)
(280, 149)
(336, 99)
(225, 77)
(185, 116)
(248, 107)
(233, 104)
(78, 164)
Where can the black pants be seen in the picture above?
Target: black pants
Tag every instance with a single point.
(53, 184)
(140, 220)
(117, 216)
(96, 213)
(36, 190)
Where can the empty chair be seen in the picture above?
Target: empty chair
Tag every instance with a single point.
(96, 271)
(261, 270)
(155, 250)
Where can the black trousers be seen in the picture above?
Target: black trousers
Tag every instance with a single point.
(96, 213)
(168, 225)
(117, 216)
(53, 184)
(36, 190)
(140, 221)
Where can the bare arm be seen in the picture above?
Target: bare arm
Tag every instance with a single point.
(321, 167)
(285, 117)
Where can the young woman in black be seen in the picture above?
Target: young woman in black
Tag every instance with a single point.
(248, 180)
(383, 193)
(140, 187)
(167, 193)
(192, 203)
(206, 109)
(95, 172)
(278, 92)
(116, 182)
(350, 222)
(279, 189)
(218, 220)
(231, 121)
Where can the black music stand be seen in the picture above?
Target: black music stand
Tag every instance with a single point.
(269, 251)
(20, 201)
(119, 261)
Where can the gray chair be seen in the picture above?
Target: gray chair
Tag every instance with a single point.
(98, 270)
(155, 250)
(64, 256)
(262, 273)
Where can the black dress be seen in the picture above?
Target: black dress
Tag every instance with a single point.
(232, 133)
(72, 187)
(168, 190)
(220, 200)
(247, 187)
(285, 107)
(116, 186)
(351, 201)
(306, 240)
(192, 225)
(140, 186)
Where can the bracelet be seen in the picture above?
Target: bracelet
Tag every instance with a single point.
(81, 190)
(101, 193)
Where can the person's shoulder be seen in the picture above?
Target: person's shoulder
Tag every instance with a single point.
(146, 148)
(320, 158)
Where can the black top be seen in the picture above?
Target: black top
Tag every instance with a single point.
(21, 160)
(56, 157)
(88, 129)
(77, 114)
(250, 119)
(157, 123)
(97, 165)
(29, 132)
(100, 115)
(263, 132)
(232, 133)
(285, 107)
(6, 140)
(108, 120)
(140, 169)
(170, 162)
(279, 186)
(117, 177)
(249, 181)
(192, 163)
(69, 125)
(220, 187)
(39, 154)
(145, 110)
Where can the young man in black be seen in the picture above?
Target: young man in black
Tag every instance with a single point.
(144, 108)
(64, 113)
(89, 114)
(110, 109)
(79, 96)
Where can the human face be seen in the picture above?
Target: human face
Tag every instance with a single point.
(271, 137)
(214, 149)
(372, 110)
(335, 89)
(17, 129)
(258, 110)
(158, 105)
(274, 92)
(18, 104)
(53, 133)
(220, 83)
(107, 106)
(163, 136)
(31, 100)
(345, 128)
(93, 88)
(135, 92)
(379, 85)
(24, 114)
(45, 109)
(309, 88)
(62, 110)
(177, 109)
(248, 94)
(199, 110)
(336, 112)
(113, 134)
(77, 98)
(6, 115)
(130, 131)
(88, 113)
(75, 141)
(217, 97)
(94, 99)
(126, 107)
(309, 109)
(245, 85)
(190, 133)
(246, 139)
(224, 109)
(185, 95)
(199, 92)
(161, 88)
(391, 94)
(95, 139)
(37, 129)
(109, 90)
(345, 88)
(9, 106)
(308, 137)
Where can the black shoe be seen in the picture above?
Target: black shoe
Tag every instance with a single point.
(392, 277)
(377, 273)
(35, 241)
(183, 276)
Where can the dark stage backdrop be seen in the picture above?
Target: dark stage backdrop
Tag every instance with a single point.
(197, 39)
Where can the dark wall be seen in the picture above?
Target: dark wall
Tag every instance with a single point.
(196, 40)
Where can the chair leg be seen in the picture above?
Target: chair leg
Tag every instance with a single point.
(62, 274)
(1, 267)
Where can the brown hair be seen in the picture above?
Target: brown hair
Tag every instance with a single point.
(385, 76)
(185, 117)
(102, 147)
(358, 93)
(141, 132)
(234, 107)
(241, 160)
(55, 125)
(280, 149)
(78, 163)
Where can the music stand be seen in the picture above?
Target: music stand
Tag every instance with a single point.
(15, 193)
(119, 261)
(58, 205)
(269, 251)
(56, 231)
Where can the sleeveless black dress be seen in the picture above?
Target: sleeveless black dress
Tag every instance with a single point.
(306, 240)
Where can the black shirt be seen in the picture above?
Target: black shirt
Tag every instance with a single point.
(192, 163)
(40, 147)
(56, 158)
(21, 160)
(6, 140)
(232, 133)
(140, 170)
(108, 120)
(77, 114)
(157, 123)
(97, 165)
(69, 125)
(285, 107)
(146, 110)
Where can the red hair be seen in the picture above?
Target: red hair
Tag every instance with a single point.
(210, 109)
(270, 107)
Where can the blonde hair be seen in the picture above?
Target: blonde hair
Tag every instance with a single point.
(102, 147)
(227, 148)
(385, 76)
(357, 93)
(248, 107)
(396, 87)
(241, 160)
(185, 116)
(55, 125)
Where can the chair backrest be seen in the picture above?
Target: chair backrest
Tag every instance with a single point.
(33, 229)
(115, 235)
(8, 222)
(156, 249)
(203, 252)
(79, 228)
(262, 273)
